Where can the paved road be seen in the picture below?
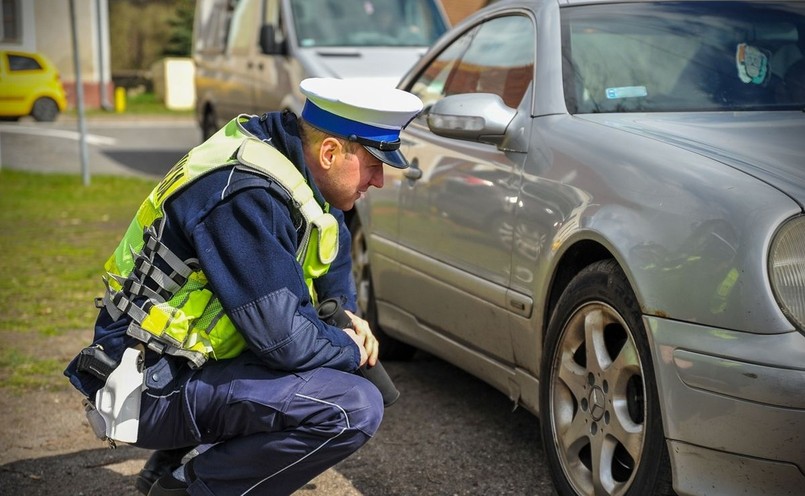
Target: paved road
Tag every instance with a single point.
(126, 146)
(449, 434)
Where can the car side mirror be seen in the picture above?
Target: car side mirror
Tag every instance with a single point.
(481, 117)
(268, 41)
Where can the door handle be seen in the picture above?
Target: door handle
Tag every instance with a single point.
(413, 172)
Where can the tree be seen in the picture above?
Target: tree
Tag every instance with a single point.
(180, 40)
(143, 31)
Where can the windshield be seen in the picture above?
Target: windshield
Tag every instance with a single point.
(684, 56)
(360, 23)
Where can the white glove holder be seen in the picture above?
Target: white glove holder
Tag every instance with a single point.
(118, 401)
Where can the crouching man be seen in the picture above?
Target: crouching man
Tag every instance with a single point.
(208, 334)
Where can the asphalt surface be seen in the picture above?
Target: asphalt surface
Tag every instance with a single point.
(448, 434)
(125, 146)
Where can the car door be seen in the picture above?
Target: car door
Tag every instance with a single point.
(20, 78)
(457, 200)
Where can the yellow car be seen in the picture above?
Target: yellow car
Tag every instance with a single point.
(30, 85)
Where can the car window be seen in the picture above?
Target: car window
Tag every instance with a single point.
(683, 57)
(497, 57)
(430, 85)
(22, 63)
(359, 23)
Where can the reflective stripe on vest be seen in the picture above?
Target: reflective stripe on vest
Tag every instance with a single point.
(176, 313)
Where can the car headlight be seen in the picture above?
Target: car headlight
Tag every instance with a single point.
(787, 269)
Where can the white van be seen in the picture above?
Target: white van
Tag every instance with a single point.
(250, 55)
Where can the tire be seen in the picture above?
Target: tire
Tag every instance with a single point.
(45, 110)
(390, 348)
(599, 415)
(208, 124)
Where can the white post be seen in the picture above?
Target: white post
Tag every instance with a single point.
(79, 97)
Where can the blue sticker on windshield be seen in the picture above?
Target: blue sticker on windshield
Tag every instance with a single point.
(626, 92)
(753, 64)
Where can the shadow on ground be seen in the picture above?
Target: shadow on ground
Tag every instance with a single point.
(149, 162)
(89, 472)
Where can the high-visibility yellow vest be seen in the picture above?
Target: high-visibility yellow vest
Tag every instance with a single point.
(182, 316)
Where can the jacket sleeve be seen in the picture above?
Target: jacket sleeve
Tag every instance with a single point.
(246, 245)
(338, 281)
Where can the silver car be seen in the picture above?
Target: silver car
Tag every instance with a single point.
(604, 220)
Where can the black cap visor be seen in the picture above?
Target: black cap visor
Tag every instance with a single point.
(393, 158)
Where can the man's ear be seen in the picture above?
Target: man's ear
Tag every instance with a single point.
(330, 147)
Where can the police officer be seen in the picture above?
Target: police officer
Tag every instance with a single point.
(210, 302)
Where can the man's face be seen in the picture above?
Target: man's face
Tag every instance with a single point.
(349, 176)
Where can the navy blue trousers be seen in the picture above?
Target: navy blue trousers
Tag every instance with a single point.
(271, 432)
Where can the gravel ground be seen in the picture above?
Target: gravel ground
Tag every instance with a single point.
(449, 434)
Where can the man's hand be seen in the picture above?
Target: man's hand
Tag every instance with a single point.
(362, 335)
(351, 333)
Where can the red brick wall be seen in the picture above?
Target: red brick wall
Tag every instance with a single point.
(459, 9)
(92, 94)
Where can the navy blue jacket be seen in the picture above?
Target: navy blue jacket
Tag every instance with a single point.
(244, 234)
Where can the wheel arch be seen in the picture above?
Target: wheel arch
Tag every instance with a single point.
(575, 258)
(50, 95)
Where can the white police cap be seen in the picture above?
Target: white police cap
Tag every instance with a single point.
(371, 115)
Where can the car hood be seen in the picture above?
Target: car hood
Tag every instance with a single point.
(382, 65)
(767, 145)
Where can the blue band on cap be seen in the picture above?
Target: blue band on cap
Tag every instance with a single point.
(341, 126)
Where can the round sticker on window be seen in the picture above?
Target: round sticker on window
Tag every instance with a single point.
(753, 64)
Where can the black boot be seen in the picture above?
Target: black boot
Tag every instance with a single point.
(168, 485)
(161, 463)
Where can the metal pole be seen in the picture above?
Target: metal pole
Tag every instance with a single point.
(79, 97)
(101, 17)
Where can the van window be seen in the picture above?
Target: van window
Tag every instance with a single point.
(273, 16)
(359, 23)
(212, 26)
(243, 33)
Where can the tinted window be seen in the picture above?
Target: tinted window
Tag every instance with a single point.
(22, 63)
(497, 57)
(684, 56)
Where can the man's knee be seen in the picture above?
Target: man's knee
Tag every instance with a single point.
(342, 401)
(368, 411)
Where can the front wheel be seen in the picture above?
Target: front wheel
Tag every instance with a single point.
(209, 126)
(600, 416)
(390, 348)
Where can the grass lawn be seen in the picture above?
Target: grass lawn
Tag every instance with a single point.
(56, 235)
